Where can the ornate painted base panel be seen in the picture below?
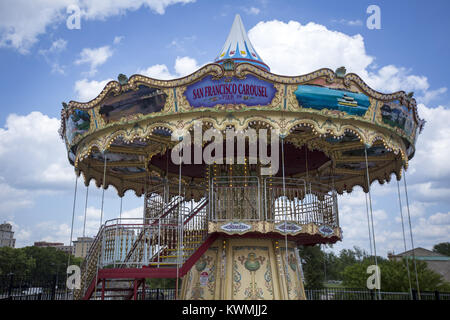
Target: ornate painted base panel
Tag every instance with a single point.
(245, 269)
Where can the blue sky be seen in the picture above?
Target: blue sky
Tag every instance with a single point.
(44, 63)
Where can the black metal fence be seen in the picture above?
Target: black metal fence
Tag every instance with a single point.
(14, 287)
(365, 294)
(53, 288)
(157, 294)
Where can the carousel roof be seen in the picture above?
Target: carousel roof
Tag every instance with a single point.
(329, 119)
(238, 47)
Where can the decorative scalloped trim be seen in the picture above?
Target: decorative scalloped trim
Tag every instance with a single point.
(241, 70)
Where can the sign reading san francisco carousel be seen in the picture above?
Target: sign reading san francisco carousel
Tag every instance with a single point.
(250, 91)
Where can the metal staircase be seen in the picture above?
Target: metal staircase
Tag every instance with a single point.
(127, 251)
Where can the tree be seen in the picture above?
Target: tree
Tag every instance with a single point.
(335, 264)
(313, 266)
(37, 262)
(15, 261)
(394, 276)
(442, 248)
(49, 261)
(332, 271)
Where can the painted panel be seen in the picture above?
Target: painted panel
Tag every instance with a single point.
(293, 277)
(77, 123)
(143, 101)
(252, 273)
(398, 116)
(319, 97)
(250, 91)
(201, 283)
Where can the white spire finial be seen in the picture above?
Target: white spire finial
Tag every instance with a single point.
(238, 46)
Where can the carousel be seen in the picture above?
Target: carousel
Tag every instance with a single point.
(237, 167)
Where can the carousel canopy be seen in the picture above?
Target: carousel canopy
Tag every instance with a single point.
(329, 119)
(238, 47)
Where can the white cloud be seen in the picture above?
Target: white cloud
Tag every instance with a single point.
(87, 90)
(416, 209)
(351, 23)
(118, 39)
(51, 55)
(293, 49)
(136, 213)
(431, 95)
(429, 169)
(32, 154)
(52, 231)
(183, 66)
(23, 21)
(440, 219)
(157, 71)
(391, 79)
(94, 57)
(57, 46)
(102, 9)
(34, 164)
(13, 199)
(252, 10)
(434, 229)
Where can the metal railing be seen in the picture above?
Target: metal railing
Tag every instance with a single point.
(160, 242)
(299, 201)
(166, 240)
(275, 200)
(235, 198)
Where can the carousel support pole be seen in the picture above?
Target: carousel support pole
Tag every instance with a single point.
(179, 227)
(100, 255)
(71, 230)
(371, 213)
(85, 210)
(103, 289)
(404, 237)
(84, 231)
(143, 289)
(368, 225)
(285, 213)
(411, 235)
(135, 286)
(103, 189)
(120, 212)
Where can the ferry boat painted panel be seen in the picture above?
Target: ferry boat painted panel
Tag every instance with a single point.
(317, 97)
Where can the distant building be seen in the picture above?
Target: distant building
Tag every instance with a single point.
(81, 246)
(435, 261)
(7, 236)
(56, 245)
(48, 244)
(66, 249)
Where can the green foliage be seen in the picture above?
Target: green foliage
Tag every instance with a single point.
(162, 283)
(335, 264)
(15, 261)
(313, 269)
(394, 276)
(36, 262)
(442, 248)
